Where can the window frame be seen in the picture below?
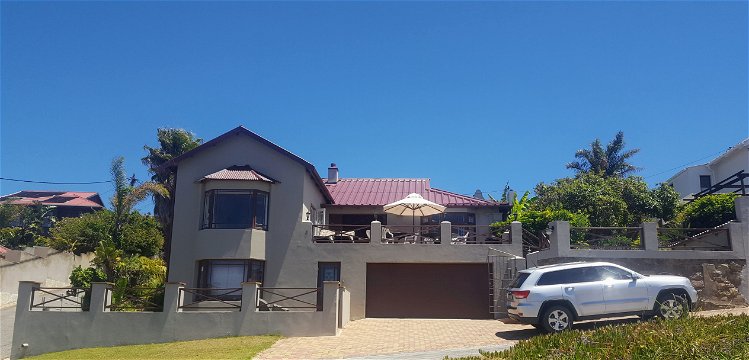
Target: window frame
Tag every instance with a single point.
(204, 275)
(209, 205)
(709, 182)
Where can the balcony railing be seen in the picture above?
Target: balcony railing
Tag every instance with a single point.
(340, 233)
(411, 234)
(706, 239)
(606, 238)
(478, 234)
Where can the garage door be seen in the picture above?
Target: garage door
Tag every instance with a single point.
(441, 291)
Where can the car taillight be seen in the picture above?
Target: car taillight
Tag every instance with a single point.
(521, 294)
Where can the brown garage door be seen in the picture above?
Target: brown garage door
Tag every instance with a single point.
(442, 291)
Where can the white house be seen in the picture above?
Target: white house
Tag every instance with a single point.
(720, 171)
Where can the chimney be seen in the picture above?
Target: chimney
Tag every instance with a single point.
(332, 174)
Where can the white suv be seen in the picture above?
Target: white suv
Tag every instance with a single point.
(552, 297)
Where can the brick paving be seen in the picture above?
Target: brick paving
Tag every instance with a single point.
(389, 336)
(370, 337)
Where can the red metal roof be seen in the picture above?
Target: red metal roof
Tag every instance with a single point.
(54, 198)
(244, 172)
(380, 192)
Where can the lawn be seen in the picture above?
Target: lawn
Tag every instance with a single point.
(242, 347)
(716, 337)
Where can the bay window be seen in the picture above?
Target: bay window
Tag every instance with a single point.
(235, 209)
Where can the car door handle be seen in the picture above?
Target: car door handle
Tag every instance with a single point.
(609, 285)
(569, 288)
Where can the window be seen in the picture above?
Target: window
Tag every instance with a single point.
(569, 276)
(518, 282)
(705, 182)
(615, 273)
(326, 271)
(456, 218)
(225, 274)
(235, 209)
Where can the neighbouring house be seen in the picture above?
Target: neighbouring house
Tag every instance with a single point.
(248, 210)
(728, 172)
(64, 203)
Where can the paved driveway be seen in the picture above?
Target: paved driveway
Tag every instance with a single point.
(369, 337)
(422, 339)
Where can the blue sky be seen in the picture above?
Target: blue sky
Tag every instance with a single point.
(471, 95)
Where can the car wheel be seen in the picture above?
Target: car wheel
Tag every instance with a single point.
(556, 318)
(671, 306)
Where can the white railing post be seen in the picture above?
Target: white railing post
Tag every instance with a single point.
(559, 238)
(101, 296)
(375, 233)
(172, 298)
(249, 296)
(330, 306)
(516, 237)
(650, 236)
(446, 233)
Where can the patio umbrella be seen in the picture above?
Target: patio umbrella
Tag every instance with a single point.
(414, 205)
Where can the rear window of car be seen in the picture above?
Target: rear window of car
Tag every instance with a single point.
(519, 280)
(569, 276)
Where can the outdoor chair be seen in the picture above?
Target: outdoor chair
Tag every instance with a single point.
(462, 239)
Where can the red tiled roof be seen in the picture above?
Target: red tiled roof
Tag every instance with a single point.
(55, 198)
(380, 192)
(244, 172)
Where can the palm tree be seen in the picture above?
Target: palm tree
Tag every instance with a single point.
(172, 143)
(127, 195)
(612, 161)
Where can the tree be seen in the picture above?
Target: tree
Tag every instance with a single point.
(708, 211)
(612, 161)
(82, 234)
(608, 201)
(127, 195)
(23, 226)
(172, 143)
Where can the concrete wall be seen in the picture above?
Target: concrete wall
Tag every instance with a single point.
(687, 182)
(38, 332)
(53, 269)
(300, 266)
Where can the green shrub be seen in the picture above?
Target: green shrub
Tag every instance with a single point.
(82, 234)
(708, 211)
(82, 278)
(717, 337)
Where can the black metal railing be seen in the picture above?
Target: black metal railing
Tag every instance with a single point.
(707, 239)
(736, 183)
(211, 298)
(478, 234)
(341, 233)
(606, 238)
(58, 298)
(411, 234)
(286, 298)
(137, 299)
(535, 241)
